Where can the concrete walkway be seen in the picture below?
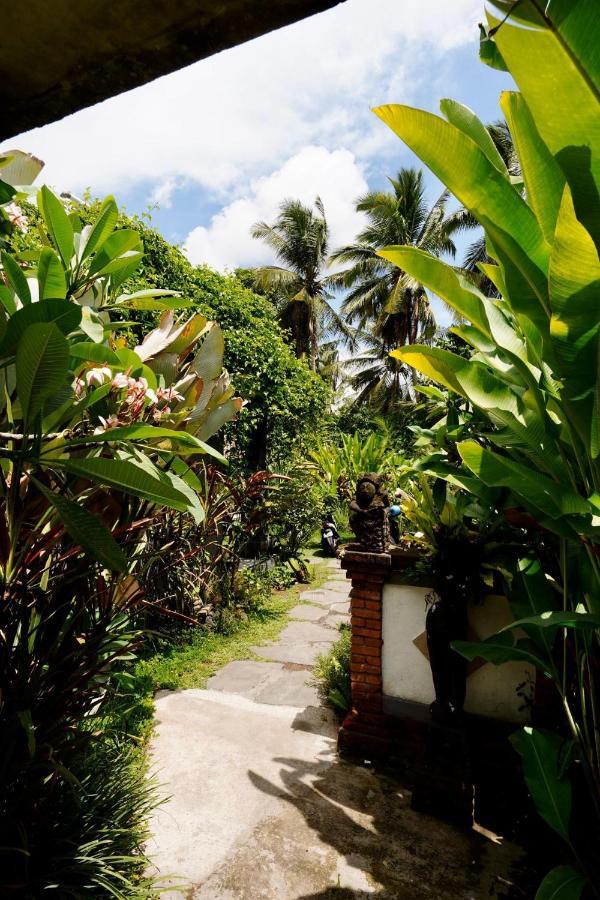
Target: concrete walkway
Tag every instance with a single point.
(260, 807)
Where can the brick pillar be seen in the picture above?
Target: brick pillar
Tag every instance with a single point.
(364, 731)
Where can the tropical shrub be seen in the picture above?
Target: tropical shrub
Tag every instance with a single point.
(338, 465)
(534, 377)
(286, 405)
(96, 438)
(332, 672)
(190, 568)
(292, 511)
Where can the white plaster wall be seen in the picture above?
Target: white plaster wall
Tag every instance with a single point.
(491, 690)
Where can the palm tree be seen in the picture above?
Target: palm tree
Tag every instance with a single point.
(299, 238)
(377, 379)
(382, 298)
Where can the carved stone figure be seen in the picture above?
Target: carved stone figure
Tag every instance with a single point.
(369, 515)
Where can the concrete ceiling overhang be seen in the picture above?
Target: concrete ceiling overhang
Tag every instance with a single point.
(58, 56)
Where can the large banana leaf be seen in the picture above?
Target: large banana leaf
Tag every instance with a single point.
(561, 89)
(543, 177)
(562, 883)
(541, 752)
(466, 170)
(535, 490)
(460, 293)
(465, 119)
(574, 290)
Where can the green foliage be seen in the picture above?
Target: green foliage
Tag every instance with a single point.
(332, 671)
(534, 375)
(286, 404)
(96, 438)
(292, 512)
(338, 465)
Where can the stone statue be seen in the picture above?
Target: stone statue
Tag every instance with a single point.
(369, 515)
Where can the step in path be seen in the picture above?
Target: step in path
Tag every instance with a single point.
(260, 808)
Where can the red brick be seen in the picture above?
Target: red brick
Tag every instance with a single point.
(373, 666)
(366, 594)
(357, 603)
(373, 604)
(367, 613)
(366, 678)
(359, 622)
(365, 695)
(365, 667)
(370, 633)
(360, 586)
(372, 718)
(366, 655)
(359, 640)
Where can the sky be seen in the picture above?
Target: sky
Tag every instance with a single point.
(218, 145)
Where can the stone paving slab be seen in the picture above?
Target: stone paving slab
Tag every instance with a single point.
(338, 620)
(341, 607)
(307, 613)
(243, 676)
(320, 596)
(306, 632)
(300, 654)
(289, 688)
(337, 587)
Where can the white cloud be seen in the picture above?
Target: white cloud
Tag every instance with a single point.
(162, 193)
(242, 113)
(335, 176)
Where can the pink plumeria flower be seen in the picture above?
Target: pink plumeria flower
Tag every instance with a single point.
(111, 422)
(78, 387)
(120, 381)
(16, 217)
(168, 394)
(98, 375)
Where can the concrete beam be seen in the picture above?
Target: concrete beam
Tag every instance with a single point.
(59, 57)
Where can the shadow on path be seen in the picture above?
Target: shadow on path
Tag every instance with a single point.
(387, 850)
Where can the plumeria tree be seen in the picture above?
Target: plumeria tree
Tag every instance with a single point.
(97, 438)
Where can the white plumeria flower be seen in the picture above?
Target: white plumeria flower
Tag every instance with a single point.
(120, 381)
(98, 375)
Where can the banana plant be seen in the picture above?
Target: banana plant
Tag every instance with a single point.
(533, 373)
(82, 415)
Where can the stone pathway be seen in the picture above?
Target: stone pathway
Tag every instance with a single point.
(260, 808)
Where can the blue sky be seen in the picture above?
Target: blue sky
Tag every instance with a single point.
(216, 146)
